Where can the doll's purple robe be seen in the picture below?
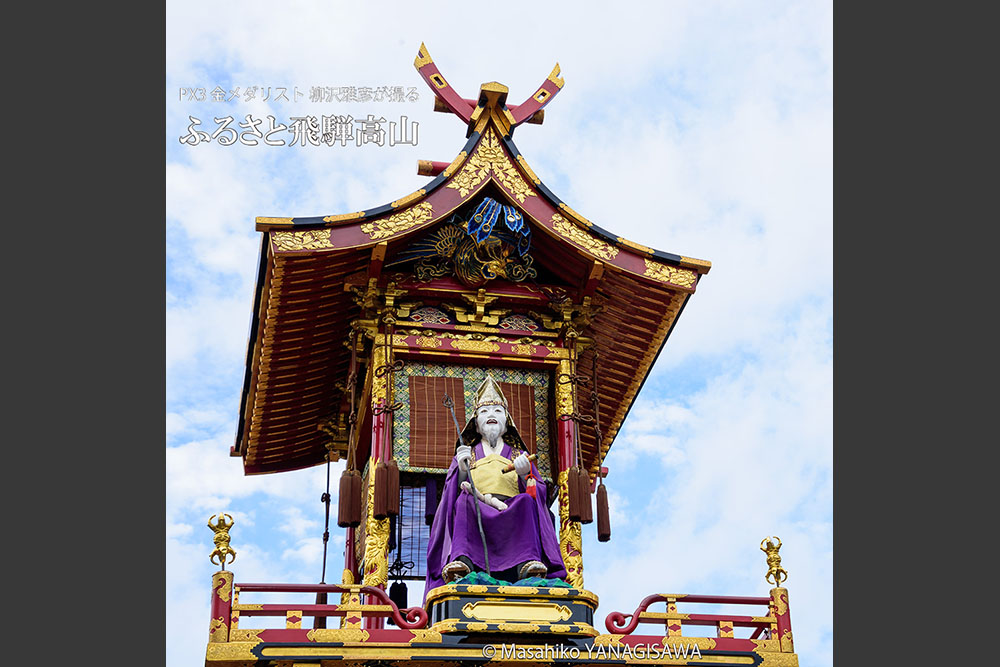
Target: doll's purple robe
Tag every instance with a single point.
(524, 531)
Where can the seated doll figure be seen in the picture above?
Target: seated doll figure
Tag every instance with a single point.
(518, 526)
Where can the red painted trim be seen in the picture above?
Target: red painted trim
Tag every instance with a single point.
(721, 643)
(458, 106)
(714, 619)
(723, 599)
(437, 167)
(307, 610)
(372, 622)
(506, 349)
(284, 635)
(292, 588)
(410, 618)
(617, 623)
(784, 621)
(222, 609)
(378, 433)
(565, 439)
(514, 333)
(448, 284)
(527, 109)
(390, 635)
(396, 636)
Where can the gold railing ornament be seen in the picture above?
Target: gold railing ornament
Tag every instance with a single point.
(221, 538)
(774, 569)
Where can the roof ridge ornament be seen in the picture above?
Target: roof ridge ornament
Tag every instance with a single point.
(492, 102)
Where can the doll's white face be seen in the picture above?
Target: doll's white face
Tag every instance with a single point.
(491, 422)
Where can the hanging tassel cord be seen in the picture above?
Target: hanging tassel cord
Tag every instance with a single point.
(352, 380)
(349, 510)
(578, 479)
(399, 566)
(387, 470)
(586, 506)
(326, 523)
(603, 509)
(389, 368)
(575, 492)
(319, 622)
(326, 498)
(596, 402)
(577, 381)
(346, 504)
(397, 592)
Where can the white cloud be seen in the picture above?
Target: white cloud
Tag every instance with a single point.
(618, 509)
(308, 551)
(296, 524)
(757, 461)
(202, 474)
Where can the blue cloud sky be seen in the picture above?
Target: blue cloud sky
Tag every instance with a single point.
(700, 128)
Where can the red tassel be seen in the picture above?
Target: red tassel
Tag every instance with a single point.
(381, 509)
(573, 493)
(530, 486)
(392, 488)
(603, 515)
(586, 508)
(349, 502)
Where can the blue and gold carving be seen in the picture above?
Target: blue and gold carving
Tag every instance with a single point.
(494, 242)
(482, 225)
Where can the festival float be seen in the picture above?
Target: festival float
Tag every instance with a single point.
(470, 351)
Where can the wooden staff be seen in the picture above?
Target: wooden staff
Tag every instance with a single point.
(450, 404)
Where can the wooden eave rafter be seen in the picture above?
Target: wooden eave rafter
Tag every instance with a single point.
(302, 313)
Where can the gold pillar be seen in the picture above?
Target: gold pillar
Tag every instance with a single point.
(570, 537)
(376, 540)
(376, 531)
(222, 607)
(779, 608)
(570, 534)
(674, 627)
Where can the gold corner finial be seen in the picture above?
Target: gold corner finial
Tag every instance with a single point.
(554, 76)
(221, 539)
(774, 569)
(423, 57)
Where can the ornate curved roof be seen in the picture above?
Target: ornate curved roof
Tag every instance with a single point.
(302, 310)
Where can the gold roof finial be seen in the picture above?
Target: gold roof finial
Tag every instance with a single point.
(221, 539)
(774, 569)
